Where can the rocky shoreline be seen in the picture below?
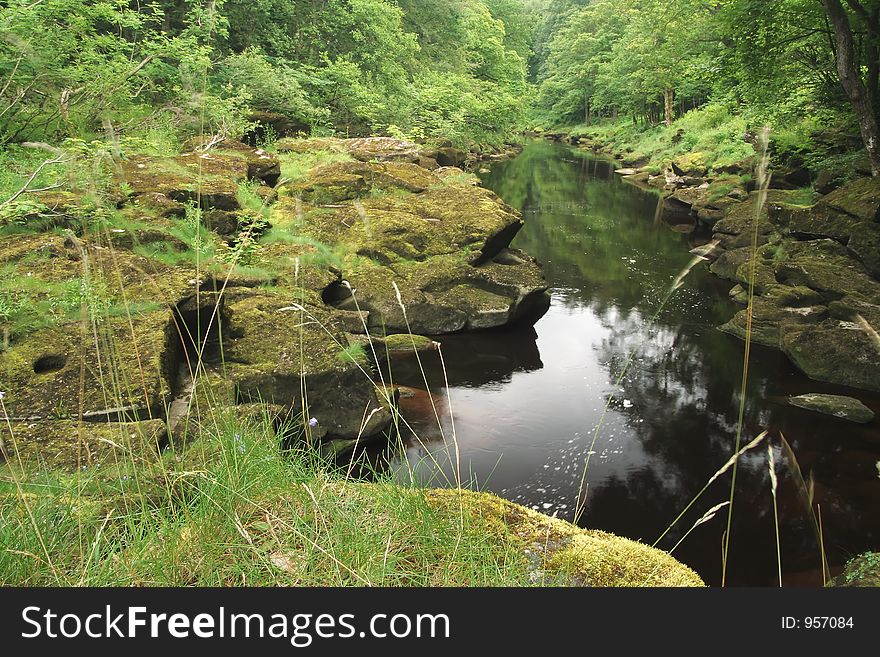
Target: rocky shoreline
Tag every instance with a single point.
(816, 268)
(388, 238)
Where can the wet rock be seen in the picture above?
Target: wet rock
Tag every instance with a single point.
(770, 318)
(826, 266)
(846, 408)
(445, 294)
(407, 343)
(449, 156)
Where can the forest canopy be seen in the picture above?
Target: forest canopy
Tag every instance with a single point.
(471, 71)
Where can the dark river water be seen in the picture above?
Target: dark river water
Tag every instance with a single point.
(523, 406)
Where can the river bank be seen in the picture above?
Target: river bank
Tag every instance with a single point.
(228, 303)
(812, 259)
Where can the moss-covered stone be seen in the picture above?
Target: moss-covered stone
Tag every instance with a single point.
(365, 149)
(117, 368)
(564, 554)
(834, 351)
(261, 165)
(209, 179)
(827, 267)
(426, 218)
(281, 352)
(344, 181)
(445, 295)
(863, 570)
(66, 445)
(846, 408)
(769, 318)
(864, 243)
(860, 198)
(401, 342)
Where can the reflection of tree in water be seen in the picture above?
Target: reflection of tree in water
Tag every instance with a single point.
(685, 402)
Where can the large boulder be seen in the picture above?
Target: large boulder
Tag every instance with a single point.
(364, 149)
(261, 165)
(207, 179)
(444, 294)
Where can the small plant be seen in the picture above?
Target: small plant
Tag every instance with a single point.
(353, 353)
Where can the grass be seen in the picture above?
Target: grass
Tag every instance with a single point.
(244, 514)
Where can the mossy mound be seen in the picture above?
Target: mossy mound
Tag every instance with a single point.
(68, 446)
(118, 369)
(863, 570)
(404, 213)
(835, 351)
(261, 165)
(208, 179)
(344, 181)
(563, 554)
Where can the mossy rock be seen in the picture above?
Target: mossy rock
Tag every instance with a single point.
(834, 351)
(562, 554)
(445, 295)
(827, 267)
(280, 352)
(845, 408)
(69, 446)
(408, 343)
(769, 318)
(860, 198)
(365, 149)
(863, 570)
(118, 369)
(864, 243)
(691, 164)
(261, 165)
(737, 228)
(344, 181)
(426, 216)
(209, 179)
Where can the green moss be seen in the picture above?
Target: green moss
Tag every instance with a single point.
(566, 554)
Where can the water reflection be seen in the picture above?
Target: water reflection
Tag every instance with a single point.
(652, 391)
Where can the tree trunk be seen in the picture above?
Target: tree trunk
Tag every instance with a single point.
(668, 98)
(848, 70)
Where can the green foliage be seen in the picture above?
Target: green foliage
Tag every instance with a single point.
(353, 353)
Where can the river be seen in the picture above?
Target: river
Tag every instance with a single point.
(520, 410)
